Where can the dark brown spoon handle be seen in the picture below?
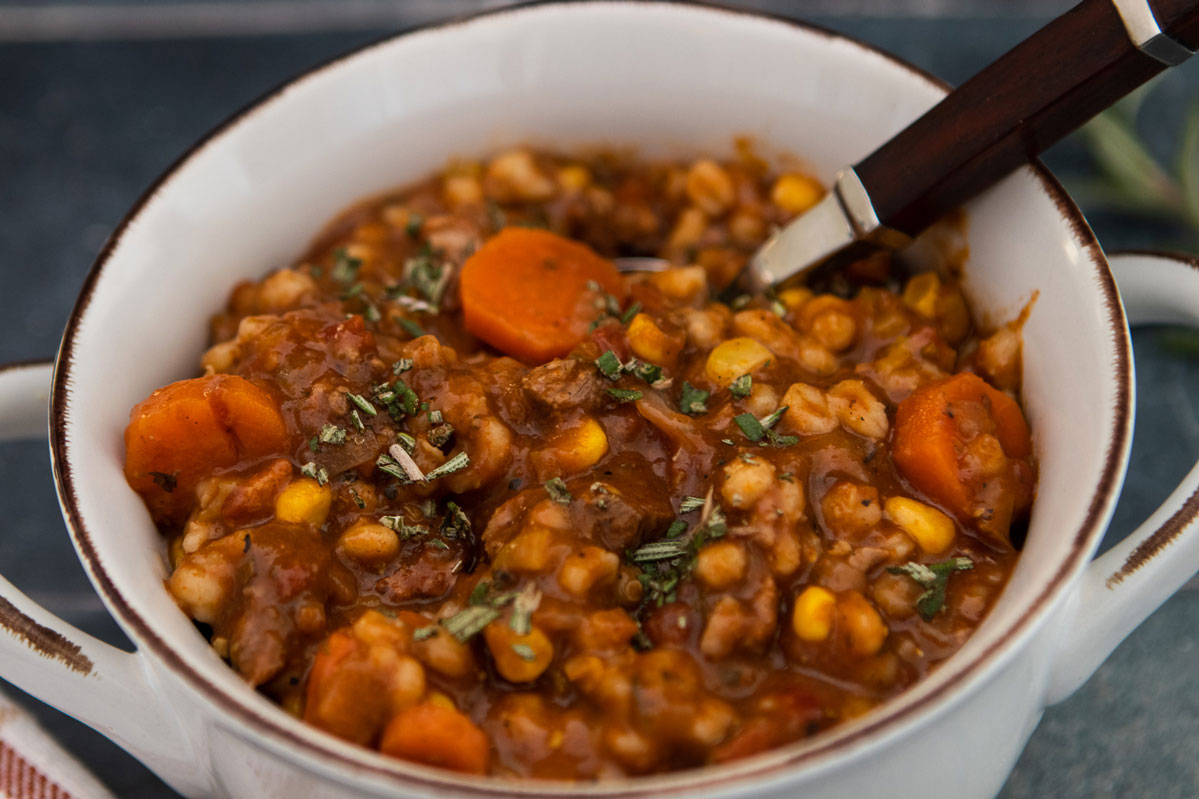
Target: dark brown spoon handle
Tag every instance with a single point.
(1003, 117)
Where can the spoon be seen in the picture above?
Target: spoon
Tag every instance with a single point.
(1044, 88)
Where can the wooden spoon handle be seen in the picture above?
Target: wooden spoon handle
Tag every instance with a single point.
(1003, 117)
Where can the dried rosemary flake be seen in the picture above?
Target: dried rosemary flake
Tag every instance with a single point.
(741, 387)
(411, 328)
(693, 400)
(630, 312)
(356, 420)
(691, 503)
(750, 426)
(658, 550)
(609, 365)
(521, 618)
(401, 366)
(624, 394)
(525, 652)
(332, 434)
(345, 267)
(424, 633)
(465, 624)
(454, 464)
(315, 472)
(362, 403)
(406, 441)
(558, 492)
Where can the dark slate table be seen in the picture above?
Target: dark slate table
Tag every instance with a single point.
(85, 125)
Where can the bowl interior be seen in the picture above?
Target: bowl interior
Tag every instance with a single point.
(662, 77)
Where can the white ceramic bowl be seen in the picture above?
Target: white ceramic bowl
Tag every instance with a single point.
(667, 78)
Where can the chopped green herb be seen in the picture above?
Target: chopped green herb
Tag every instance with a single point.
(332, 434)
(435, 417)
(658, 550)
(676, 529)
(467, 623)
(740, 387)
(478, 594)
(693, 400)
(772, 419)
(357, 499)
(728, 441)
(624, 394)
(778, 440)
(691, 503)
(437, 542)
(454, 464)
(406, 398)
(314, 443)
(525, 652)
(750, 426)
(456, 524)
(371, 313)
(406, 441)
(412, 228)
(648, 372)
(558, 492)
(440, 435)
(630, 312)
(352, 292)
(609, 365)
(428, 276)
(411, 328)
(165, 481)
(345, 267)
(740, 301)
(778, 309)
(934, 578)
(356, 420)
(362, 403)
(401, 366)
(402, 528)
(424, 633)
(315, 472)
(521, 618)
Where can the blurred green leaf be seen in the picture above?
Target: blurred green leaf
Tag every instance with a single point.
(1132, 169)
(1188, 166)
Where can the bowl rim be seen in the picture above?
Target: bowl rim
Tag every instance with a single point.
(321, 750)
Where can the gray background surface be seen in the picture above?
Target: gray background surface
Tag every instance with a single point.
(97, 99)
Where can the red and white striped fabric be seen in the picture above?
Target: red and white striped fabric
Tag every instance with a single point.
(33, 766)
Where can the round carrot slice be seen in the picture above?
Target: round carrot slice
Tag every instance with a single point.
(181, 433)
(531, 294)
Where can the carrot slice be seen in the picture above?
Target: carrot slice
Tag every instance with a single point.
(181, 433)
(436, 736)
(525, 292)
(939, 447)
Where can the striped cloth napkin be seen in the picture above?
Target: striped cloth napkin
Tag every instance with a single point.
(33, 766)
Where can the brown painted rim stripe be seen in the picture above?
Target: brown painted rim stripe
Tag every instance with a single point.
(1165, 535)
(43, 640)
(769, 764)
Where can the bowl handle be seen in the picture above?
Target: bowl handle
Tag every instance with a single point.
(104, 687)
(1128, 582)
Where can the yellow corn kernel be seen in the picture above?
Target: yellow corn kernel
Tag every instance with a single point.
(794, 299)
(649, 343)
(441, 700)
(796, 193)
(305, 500)
(369, 543)
(573, 450)
(518, 658)
(812, 616)
(681, 283)
(931, 529)
(574, 178)
(920, 294)
(735, 357)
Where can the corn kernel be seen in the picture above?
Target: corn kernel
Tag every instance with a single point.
(304, 501)
(795, 298)
(574, 178)
(735, 357)
(920, 294)
(650, 343)
(796, 193)
(931, 529)
(573, 450)
(812, 616)
(441, 700)
(518, 658)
